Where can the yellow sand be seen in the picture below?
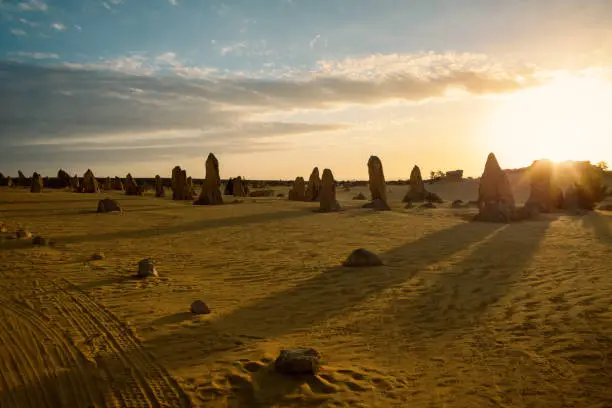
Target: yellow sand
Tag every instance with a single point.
(463, 314)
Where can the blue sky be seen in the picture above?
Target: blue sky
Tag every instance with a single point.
(275, 87)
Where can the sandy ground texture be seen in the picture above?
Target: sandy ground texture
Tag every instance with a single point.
(462, 314)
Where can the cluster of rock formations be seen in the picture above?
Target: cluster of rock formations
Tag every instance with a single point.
(496, 202)
(237, 187)
(181, 188)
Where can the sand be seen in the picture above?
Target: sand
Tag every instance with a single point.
(462, 314)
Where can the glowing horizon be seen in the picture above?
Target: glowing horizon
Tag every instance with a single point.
(120, 89)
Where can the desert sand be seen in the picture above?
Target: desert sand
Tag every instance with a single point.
(461, 314)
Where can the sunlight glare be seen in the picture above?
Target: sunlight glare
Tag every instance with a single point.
(565, 119)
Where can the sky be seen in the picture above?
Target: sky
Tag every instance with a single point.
(276, 87)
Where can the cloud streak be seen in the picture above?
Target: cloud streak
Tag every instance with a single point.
(158, 107)
(18, 32)
(34, 55)
(33, 5)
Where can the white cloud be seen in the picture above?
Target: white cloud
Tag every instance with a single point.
(195, 72)
(18, 32)
(173, 2)
(35, 55)
(58, 26)
(116, 1)
(106, 5)
(33, 5)
(236, 48)
(245, 48)
(168, 58)
(28, 22)
(314, 40)
(78, 27)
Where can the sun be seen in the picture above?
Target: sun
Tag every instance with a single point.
(568, 118)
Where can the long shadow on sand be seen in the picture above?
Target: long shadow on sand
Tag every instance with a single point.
(600, 224)
(462, 294)
(62, 211)
(321, 297)
(189, 227)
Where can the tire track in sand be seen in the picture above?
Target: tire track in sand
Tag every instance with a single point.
(39, 367)
(99, 356)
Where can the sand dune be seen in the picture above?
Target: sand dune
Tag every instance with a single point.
(462, 314)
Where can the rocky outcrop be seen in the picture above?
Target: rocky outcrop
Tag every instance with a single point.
(544, 196)
(495, 199)
(180, 185)
(378, 185)
(90, 184)
(298, 191)
(22, 180)
(37, 183)
(327, 195)
(75, 184)
(416, 191)
(159, 187)
(117, 184)
(313, 188)
(131, 187)
(63, 179)
(239, 187)
(211, 193)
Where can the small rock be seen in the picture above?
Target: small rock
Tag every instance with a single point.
(146, 268)
(21, 233)
(428, 205)
(359, 196)
(262, 193)
(298, 361)
(457, 204)
(3, 227)
(41, 241)
(408, 206)
(280, 195)
(108, 205)
(98, 256)
(199, 307)
(362, 258)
